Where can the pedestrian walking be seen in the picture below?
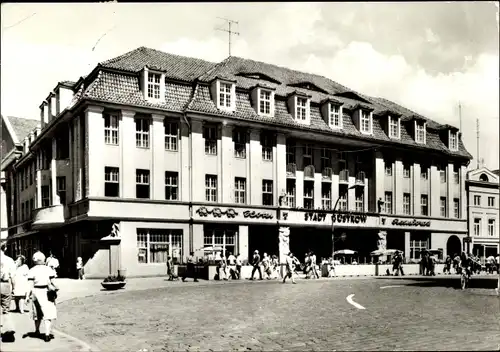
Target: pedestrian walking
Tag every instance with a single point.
(43, 294)
(291, 263)
(7, 272)
(312, 258)
(275, 266)
(79, 269)
(231, 260)
(397, 265)
(256, 265)
(266, 264)
(170, 269)
(223, 267)
(307, 265)
(190, 269)
(447, 265)
(239, 264)
(53, 263)
(21, 287)
(331, 270)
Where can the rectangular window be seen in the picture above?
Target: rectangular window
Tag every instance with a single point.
(210, 135)
(222, 238)
(342, 161)
(21, 180)
(267, 192)
(416, 248)
(301, 109)
(326, 195)
(32, 207)
(453, 141)
(26, 178)
(23, 212)
(156, 245)
(477, 200)
(393, 127)
(225, 95)
(343, 204)
(491, 201)
(406, 171)
(335, 118)
(142, 184)
(456, 208)
(477, 227)
(424, 205)
(388, 202)
(142, 133)
(456, 176)
(406, 204)
(290, 193)
(111, 182)
(290, 152)
(365, 124)
(154, 82)
(420, 133)
(308, 155)
(442, 174)
(309, 194)
(491, 227)
(442, 206)
(211, 188)
(326, 158)
(45, 196)
(61, 189)
(31, 167)
(171, 135)
(360, 200)
(424, 172)
(388, 168)
(264, 102)
(111, 128)
(240, 142)
(240, 185)
(62, 146)
(171, 185)
(266, 141)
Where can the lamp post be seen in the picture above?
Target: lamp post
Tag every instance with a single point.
(333, 214)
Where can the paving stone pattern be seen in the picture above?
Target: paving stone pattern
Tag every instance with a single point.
(312, 315)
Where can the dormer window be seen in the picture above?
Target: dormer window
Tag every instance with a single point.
(154, 85)
(420, 132)
(335, 116)
(453, 140)
(225, 95)
(301, 109)
(394, 127)
(365, 122)
(264, 102)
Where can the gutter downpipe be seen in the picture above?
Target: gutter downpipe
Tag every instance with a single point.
(190, 170)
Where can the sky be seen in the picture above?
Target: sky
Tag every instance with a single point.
(427, 56)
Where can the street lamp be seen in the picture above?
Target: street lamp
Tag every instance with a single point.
(333, 213)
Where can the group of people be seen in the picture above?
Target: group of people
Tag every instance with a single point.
(35, 285)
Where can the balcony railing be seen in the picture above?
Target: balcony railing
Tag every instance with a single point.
(309, 172)
(291, 170)
(344, 176)
(327, 173)
(360, 178)
(48, 216)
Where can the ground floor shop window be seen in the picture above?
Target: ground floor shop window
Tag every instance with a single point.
(155, 245)
(220, 238)
(416, 246)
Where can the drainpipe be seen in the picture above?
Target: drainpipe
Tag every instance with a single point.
(184, 115)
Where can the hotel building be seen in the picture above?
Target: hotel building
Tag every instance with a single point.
(482, 187)
(154, 154)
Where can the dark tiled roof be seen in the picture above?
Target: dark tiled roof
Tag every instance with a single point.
(124, 88)
(496, 172)
(175, 67)
(22, 126)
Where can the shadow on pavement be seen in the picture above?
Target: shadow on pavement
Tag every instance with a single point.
(453, 282)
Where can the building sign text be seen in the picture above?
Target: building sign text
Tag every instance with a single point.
(349, 218)
(414, 222)
(231, 213)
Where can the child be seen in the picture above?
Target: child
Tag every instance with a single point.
(79, 268)
(170, 269)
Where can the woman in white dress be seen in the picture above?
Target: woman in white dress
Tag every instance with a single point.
(21, 286)
(42, 278)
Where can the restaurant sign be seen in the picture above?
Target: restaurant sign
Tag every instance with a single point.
(327, 218)
(223, 213)
(407, 222)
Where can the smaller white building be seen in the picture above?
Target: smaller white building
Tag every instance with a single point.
(482, 187)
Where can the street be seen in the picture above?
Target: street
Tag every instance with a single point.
(364, 314)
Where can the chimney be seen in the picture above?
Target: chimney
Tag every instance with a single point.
(44, 114)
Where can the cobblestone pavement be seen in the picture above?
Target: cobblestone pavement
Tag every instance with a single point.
(312, 315)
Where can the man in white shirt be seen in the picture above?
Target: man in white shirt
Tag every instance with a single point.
(231, 260)
(239, 263)
(52, 262)
(7, 271)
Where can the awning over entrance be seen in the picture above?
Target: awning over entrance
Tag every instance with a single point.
(52, 216)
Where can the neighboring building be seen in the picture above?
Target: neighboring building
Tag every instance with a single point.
(482, 188)
(14, 131)
(154, 154)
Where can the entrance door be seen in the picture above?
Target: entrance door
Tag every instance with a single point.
(453, 246)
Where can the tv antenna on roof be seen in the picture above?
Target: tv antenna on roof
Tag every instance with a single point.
(229, 31)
